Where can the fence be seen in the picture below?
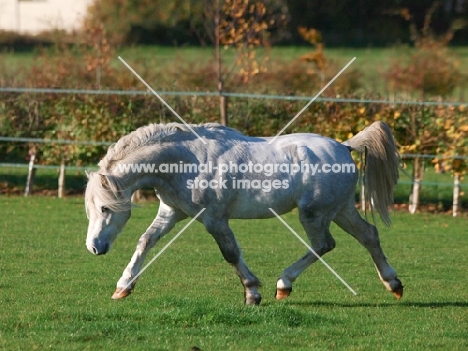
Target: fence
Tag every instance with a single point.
(32, 166)
(62, 168)
(226, 94)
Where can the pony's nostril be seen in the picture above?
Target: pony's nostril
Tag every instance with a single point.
(99, 249)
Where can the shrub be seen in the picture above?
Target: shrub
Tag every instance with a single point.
(432, 69)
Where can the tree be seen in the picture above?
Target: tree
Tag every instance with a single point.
(432, 69)
(127, 20)
(240, 25)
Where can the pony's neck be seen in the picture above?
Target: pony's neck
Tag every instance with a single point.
(140, 169)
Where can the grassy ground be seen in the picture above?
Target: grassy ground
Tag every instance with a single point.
(54, 294)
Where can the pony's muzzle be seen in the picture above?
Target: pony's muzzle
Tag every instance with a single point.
(98, 248)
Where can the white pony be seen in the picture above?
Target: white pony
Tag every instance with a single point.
(237, 176)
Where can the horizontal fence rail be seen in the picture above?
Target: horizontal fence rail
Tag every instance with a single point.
(55, 141)
(107, 143)
(94, 168)
(38, 166)
(227, 94)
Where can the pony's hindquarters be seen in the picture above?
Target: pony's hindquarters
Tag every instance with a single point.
(382, 162)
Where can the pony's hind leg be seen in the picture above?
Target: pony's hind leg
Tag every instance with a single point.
(317, 229)
(350, 221)
(227, 243)
(165, 220)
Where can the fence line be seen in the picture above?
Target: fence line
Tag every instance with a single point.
(442, 157)
(107, 143)
(31, 166)
(55, 141)
(26, 165)
(95, 168)
(227, 94)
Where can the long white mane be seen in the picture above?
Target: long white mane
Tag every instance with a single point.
(152, 134)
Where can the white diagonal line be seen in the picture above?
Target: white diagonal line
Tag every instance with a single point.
(311, 101)
(312, 250)
(162, 250)
(162, 100)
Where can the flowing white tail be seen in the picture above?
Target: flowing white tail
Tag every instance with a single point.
(381, 165)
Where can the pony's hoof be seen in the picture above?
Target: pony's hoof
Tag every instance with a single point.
(398, 293)
(282, 293)
(120, 293)
(253, 299)
(398, 290)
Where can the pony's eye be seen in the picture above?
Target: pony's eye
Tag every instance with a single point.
(104, 209)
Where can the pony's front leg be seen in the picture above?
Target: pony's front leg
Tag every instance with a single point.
(227, 243)
(163, 223)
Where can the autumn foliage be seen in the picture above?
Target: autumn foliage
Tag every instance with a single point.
(431, 70)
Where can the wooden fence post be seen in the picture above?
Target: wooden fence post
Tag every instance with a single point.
(456, 195)
(61, 180)
(136, 196)
(363, 197)
(418, 172)
(363, 186)
(31, 172)
(223, 110)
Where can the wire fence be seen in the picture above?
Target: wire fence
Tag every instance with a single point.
(95, 168)
(55, 141)
(227, 94)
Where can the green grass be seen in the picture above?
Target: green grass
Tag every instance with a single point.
(56, 295)
(372, 62)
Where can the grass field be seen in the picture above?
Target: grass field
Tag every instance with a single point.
(56, 295)
(371, 62)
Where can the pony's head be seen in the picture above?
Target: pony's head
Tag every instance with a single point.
(108, 208)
